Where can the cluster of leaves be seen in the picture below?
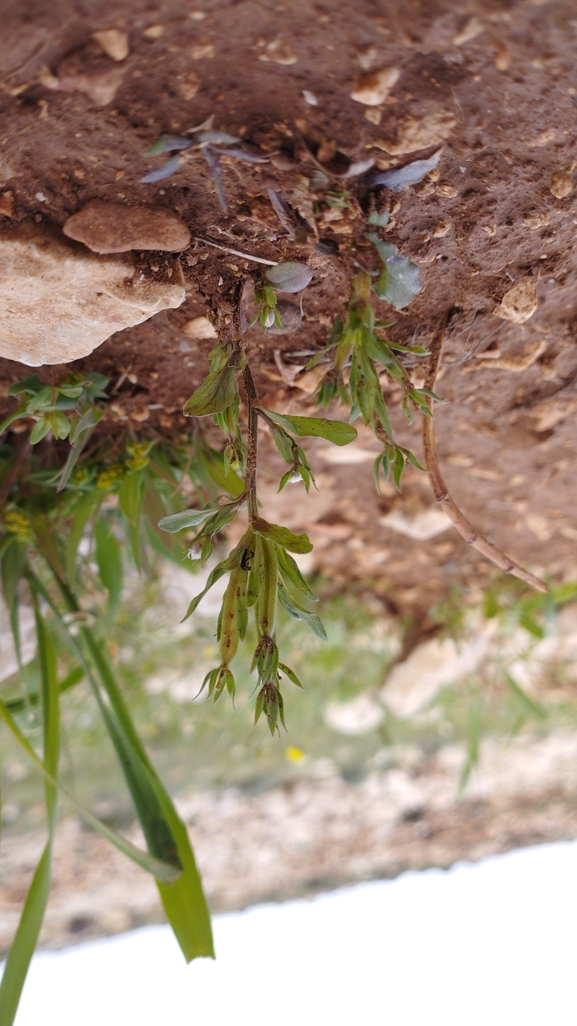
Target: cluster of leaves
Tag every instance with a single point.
(111, 502)
(212, 144)
(358, 349)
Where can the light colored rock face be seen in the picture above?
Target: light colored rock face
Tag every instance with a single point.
(519, 303)
(116, 228)
(59, 301)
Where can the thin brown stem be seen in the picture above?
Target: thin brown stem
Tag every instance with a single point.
(441, 492)
(252, 448)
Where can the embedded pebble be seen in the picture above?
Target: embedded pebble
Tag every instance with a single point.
(60, 301)
(113, 42)
(188, 84)
(199, 327)
(447, 191)
(310, 98)
(519, 303)
(373, 87)
(116, 228)
(472, 29)
(155, 31)
(202, 49)
(7, 204)
(561, 185)
(278, 52)
(95, 77)
(441, 229)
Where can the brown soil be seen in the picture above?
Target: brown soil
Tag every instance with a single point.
(486, 219)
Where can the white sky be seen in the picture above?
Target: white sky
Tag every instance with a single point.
(492, 943)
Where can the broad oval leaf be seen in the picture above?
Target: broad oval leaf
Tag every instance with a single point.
(216, 393)
(281, 536)
(335, 431)
(289, 276)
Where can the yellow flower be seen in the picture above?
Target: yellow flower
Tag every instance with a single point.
(17, 523)
(107, 478)
(294, 754)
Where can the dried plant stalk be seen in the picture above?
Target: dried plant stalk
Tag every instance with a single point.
(441, 492)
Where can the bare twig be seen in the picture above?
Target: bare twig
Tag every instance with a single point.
(236, 252)
(441, 492)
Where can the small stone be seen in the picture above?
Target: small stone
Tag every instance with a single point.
(561, 185)
(519, 303)
(199, 327)
(310, 98)
(489, 229)
(442, 229)
(7, 204)
(188, 85)
(113, 42)
(197, 15)
(502, 58)
(116, 228)
(448, 191)
(139, 413)
(202, 49)
(61, 301)
(535, 221)
(374, 115)
(155, 31)
(415, 135)
(278, 52)
(471, 30)
(91, 73)
(373, 87)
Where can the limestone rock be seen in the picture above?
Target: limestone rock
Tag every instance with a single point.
(561, 185)
(519, 303)
(88, 70)
(60, 301)
(373, 87)
(113, 42)
(199, 327)
(422, 526)
(116, 228)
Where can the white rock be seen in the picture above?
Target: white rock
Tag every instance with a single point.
(348, 454)
(519, 303)
(113, 42)
(358, 716)
(422, 526)
(413, 134)
(60, 301)
(413, 683)
(373, 87)
(200, 327)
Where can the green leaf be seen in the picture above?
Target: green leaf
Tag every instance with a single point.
(28, 930)
(166, 836)
(289, 568)
(380, 220)
(232, 561)
(399, 281)
(161, 870)
(109, 562)
(31, 385)
(297, 612)
(216, 393)
(39, 431)
(130, 496)
(335, 431)
(291, 675)
(281, 535)
(187, 518)
(24, 944)
(527, 705)
(82, 513)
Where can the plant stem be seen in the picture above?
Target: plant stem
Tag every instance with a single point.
(252, 449)
(441, 492)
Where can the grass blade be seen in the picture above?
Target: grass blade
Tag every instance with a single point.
(24, 944)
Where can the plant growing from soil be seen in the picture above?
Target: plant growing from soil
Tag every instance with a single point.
(103, 489)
